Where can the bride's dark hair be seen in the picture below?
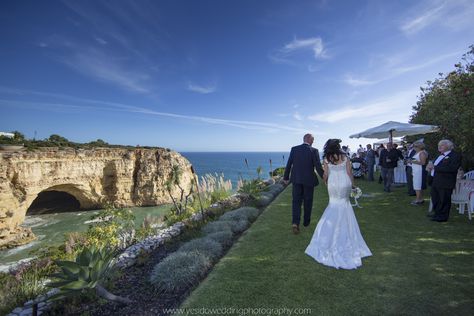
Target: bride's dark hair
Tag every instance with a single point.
(332, 150)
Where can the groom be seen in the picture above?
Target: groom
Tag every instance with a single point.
(302, 161)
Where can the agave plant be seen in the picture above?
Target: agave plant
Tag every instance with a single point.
(87, 272)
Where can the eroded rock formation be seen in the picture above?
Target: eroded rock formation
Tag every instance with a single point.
(91, 178)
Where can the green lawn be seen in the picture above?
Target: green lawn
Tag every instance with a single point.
(418, 267)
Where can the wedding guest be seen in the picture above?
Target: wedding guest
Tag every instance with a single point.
(444, 171)
(370, 160)
(418, 160)
(345, 149)
(389, 158)
(379, 164)
(409, 170)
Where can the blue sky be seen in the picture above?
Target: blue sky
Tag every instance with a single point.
(221, 75)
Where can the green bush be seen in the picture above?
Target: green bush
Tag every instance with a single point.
(244, 213)
(233, 216)
(217, 226)
(264, 200)
(179, 271)
(206, 246)
(87, 272)
(250, 213)
(237, 226)
(225, 238)
(26, 283)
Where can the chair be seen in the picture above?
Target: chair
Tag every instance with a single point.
(470, 206)
(461, 194)
(469, 175)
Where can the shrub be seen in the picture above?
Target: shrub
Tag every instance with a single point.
(250, 213)
(179, 271)
(217, 226)
(206, 246)
(243, 213)
(225, 238)
(87, 272)
(264, 200)
(237, 226)
(233, 216)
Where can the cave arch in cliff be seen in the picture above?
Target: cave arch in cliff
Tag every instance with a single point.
(60, 198)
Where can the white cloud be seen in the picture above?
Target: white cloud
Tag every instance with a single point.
(394, 69)
(94, 63)
(419, 22)
(314, 43)
(66, 102)
(100, 40)
(290, 53)
(355, 82)
(384, 107)
(202, 89)
(453, 14)
(297, 116)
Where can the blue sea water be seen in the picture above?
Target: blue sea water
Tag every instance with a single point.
(232, 164)
(51, 228)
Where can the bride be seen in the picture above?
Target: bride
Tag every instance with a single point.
(337, 241)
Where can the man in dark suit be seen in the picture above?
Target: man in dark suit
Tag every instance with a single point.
(301, 163)
(409, 170)
(444, 171)
(370, 160)
(388, 161)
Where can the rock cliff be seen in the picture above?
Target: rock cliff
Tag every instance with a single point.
(32, 181)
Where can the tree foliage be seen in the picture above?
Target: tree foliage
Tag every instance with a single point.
(448, 102)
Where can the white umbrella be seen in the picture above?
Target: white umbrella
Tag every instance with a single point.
(396, 129)
(396, 140)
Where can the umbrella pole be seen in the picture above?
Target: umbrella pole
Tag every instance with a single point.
(391, 138)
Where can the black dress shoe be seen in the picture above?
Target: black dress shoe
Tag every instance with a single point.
(305, 224)
(439, 220)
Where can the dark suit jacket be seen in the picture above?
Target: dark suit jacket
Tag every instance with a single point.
(446, 171)
(301, 162)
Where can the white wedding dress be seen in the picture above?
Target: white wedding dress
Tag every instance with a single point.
(337, 241)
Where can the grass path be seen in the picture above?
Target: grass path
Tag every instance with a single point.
(418, 267)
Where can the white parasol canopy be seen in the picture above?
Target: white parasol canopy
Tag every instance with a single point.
(396, 129)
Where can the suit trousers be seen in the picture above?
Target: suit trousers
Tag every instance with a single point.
(302, 194)
(409, 173)
(441, 199)
(370, 166)
(387, 176)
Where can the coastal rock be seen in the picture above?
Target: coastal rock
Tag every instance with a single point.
(92, 178)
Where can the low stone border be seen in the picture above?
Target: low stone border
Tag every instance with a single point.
(129, 256)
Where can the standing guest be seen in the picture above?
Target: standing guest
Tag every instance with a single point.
(360, 151)
(409, 170)
(399, 152)
(418, 161)
(389, 158)
(444, 171)
(379, 150)
(345, 150)
(370, 160)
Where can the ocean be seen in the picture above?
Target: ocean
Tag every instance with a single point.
(232, 164)
(51, 228)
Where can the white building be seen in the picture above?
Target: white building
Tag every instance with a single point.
(11, 135)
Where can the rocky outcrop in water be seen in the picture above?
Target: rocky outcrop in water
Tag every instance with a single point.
(88, 179)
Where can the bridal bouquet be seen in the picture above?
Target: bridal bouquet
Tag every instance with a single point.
(356, 193)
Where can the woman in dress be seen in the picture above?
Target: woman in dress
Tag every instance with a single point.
(418, 161)
(337, 241)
